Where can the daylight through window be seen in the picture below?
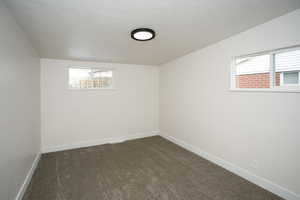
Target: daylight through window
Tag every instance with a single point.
(90, 78)
(275, 69)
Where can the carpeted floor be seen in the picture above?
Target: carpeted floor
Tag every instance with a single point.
(144, 169)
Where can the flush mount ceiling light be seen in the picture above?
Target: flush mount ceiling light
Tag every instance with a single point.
(142, 34)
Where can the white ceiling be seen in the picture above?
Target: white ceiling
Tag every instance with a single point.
(99, 30)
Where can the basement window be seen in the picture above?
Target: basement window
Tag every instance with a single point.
(276, 70)
(90, 78)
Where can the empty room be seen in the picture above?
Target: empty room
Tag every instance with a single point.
(150, 100)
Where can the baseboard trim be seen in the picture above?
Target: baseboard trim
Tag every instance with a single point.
(97, 142)
(28, 177)
(262, 182)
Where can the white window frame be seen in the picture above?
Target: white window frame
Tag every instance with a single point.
(99, 68)
(273, 87)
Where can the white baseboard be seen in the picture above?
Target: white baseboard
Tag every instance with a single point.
(97, 142)
(262, 182)
(28, 177)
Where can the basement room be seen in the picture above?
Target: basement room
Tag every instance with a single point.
(150, 100)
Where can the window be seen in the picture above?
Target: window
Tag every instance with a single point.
(90, 78)
(278, 69)
(288, 65)
(253, 72)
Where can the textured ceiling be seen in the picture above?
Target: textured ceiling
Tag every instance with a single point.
(99, 30)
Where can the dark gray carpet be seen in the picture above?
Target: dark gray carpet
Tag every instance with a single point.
(144, 169)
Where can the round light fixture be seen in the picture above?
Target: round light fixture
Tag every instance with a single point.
(142, 34)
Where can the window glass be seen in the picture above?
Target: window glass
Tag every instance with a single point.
(83, 78)
(253, 72)
(276, 69)
(290, 78)
(287, 66)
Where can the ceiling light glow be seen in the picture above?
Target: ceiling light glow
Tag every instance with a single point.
(142, 34)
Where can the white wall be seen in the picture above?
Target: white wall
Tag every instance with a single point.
(244, 128)
(71, 118)
(19, 105)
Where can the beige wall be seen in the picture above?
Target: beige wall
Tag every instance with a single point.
(19, 105)
(71, 118)
(258, 132)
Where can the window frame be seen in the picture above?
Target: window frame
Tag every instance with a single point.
(98, 68)
(273, 87)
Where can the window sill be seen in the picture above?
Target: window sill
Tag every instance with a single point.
(274, 90)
